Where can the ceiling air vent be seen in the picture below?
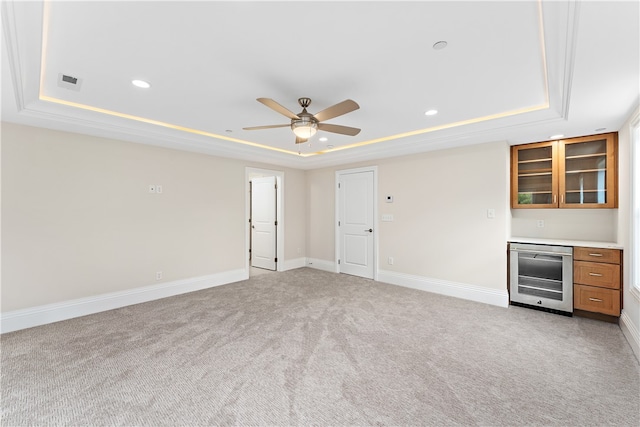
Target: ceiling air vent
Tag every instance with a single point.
(69, 82)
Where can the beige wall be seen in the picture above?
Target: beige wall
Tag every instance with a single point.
(440, 228)
(78, 221)
(598, 225)
(321, 214)
(295, 211)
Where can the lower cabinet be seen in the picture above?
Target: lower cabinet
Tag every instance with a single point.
(598, 300)
(596, 280)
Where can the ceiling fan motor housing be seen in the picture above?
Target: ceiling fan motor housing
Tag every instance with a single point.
(304, 102)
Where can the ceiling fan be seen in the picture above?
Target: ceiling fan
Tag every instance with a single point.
(305, 125)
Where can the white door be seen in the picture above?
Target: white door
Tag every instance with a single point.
(356, 221)
(263, 222)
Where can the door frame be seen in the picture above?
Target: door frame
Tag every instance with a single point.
(338, 174)
(250, 173)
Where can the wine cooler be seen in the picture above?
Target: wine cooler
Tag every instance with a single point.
(542, 276)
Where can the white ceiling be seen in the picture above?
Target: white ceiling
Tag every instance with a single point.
(517, 71)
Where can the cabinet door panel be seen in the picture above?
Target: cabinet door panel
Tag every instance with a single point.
(533, 176)
(587, 172)
(598, 300)
(597, 274)
(611, 256)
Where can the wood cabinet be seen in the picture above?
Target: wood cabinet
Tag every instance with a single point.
(568, 173)
(596, 280)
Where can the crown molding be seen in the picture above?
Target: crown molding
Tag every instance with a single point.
(573, 19)
(13, 53)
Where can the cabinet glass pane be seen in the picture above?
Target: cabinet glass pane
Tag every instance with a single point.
(586, 172)
(534, 176)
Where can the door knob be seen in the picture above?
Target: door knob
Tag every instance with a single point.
(369, 230)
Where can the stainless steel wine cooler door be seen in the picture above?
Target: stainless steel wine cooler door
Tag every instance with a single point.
(542, 276)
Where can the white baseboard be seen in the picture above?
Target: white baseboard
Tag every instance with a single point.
(459, 290)
(321, 264)
(292, 264)
(50, 313)
(631, 333)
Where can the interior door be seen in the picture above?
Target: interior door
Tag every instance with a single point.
(263, 222)
(356, 221)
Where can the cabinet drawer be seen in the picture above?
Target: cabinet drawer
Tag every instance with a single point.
(611, 256)
(596, 274)
(599, 300)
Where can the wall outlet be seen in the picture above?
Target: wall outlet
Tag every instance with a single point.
(390, 260)
(158, 275)
(491, 213)
(540, 223)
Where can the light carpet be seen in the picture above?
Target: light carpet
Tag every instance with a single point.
(307, 347)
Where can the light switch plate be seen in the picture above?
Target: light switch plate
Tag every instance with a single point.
(387, 217)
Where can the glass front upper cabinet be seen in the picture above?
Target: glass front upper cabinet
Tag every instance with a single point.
(534, 175)
(569, 173)
(588, 172)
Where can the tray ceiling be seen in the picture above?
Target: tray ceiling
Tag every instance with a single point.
(515, 71)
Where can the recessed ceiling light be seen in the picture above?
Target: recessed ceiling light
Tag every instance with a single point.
(329, 146)
(558, 136)
(600, 129)
(228, 131)
(324, 139)
(440, 45)
(141, 83)
(431, 113)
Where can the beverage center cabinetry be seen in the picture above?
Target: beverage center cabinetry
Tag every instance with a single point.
(596, 280)
(568, 173)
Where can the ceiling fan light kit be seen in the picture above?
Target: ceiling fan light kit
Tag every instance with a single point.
(304, 128)
(304, 125)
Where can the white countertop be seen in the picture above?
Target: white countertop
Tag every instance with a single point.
(561, 242)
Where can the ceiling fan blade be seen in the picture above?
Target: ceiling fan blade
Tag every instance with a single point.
(339, 109)
(277, 107)
(344, 130)
(300, 140)
(267, 127)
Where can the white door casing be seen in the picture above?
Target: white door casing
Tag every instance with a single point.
(263, 222)
(356, 222)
